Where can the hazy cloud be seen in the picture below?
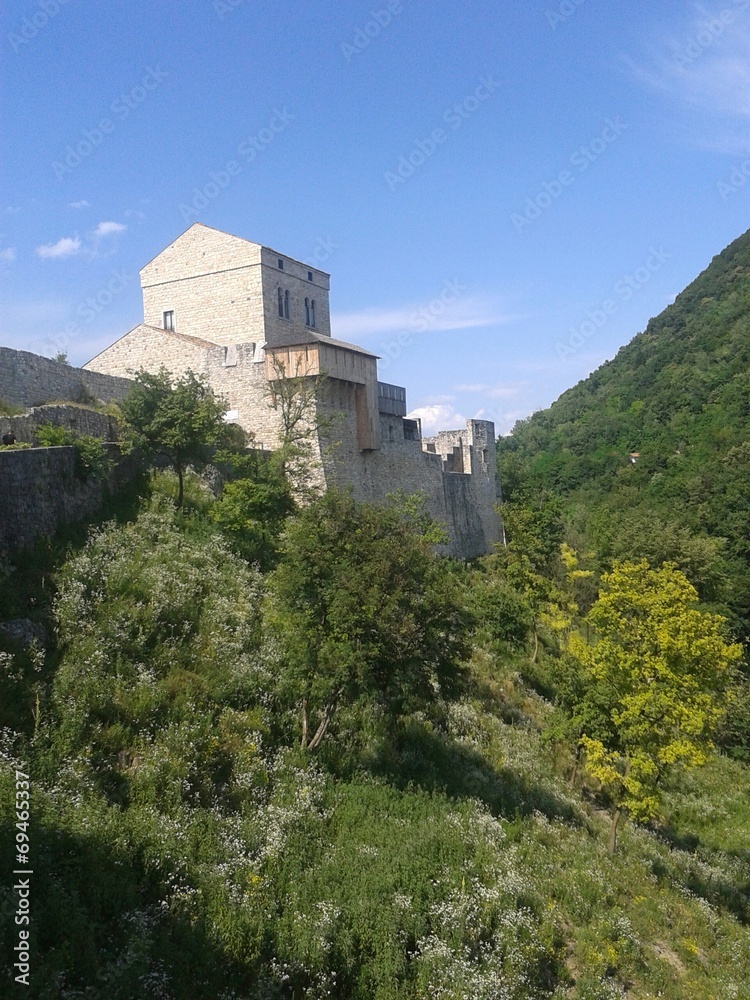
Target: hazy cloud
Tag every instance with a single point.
(78, 204)
(463, 314)
(65, 247)
(108, 228)
(704, 68)
(8, 255)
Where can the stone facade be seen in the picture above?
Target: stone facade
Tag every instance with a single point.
(150, 347)
(246, 316)
(226, 290)
(30, 380)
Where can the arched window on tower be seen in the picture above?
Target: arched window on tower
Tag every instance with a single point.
(286, 304)
(312, 313)
(307, 312)
(281, 303)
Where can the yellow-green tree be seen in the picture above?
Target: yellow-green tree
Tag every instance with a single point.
(668, 668)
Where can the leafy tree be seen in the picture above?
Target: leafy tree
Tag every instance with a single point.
(362, 609)
(253, 507)
(667, 669)
(179, 418)
(501, 614)
(531, 561)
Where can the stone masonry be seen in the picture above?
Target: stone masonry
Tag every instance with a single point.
(244, 316)
(30, 380)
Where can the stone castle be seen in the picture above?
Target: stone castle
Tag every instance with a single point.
(246, 316)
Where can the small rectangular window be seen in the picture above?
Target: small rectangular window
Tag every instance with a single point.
(169, 320)
(281, 264)
(309, 275)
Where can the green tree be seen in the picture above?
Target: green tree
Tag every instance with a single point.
(253, 506)
(361, 608)
(179, 418)
(531, 562)
(667, 669)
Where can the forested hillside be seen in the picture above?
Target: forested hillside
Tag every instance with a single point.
(258, 749)
(652, 451)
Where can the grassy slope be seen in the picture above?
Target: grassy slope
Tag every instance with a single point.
(476, 825)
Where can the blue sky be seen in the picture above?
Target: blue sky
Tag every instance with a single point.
(504, 194)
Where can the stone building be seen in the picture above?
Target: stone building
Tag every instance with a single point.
(246, 316)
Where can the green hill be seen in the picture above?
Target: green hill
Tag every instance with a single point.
(678, 395)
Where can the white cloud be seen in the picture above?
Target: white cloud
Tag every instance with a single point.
(13, 209)
(461, 314)
(108, 228)
(438, 417)
(65, 247)
(78, 204)
(8, 255)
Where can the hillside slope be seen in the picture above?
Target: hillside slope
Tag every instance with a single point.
(678, 395)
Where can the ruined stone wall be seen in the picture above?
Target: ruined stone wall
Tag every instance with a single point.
(151, 348)
(41, 492)
(31, 380)
(77, 419)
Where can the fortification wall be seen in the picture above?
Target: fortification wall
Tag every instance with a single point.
(239, 374)
(40, 492)
(74, 418)
(31, 380)
(464, 503)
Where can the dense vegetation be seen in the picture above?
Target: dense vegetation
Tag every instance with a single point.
(287, 752)
(678, 395)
